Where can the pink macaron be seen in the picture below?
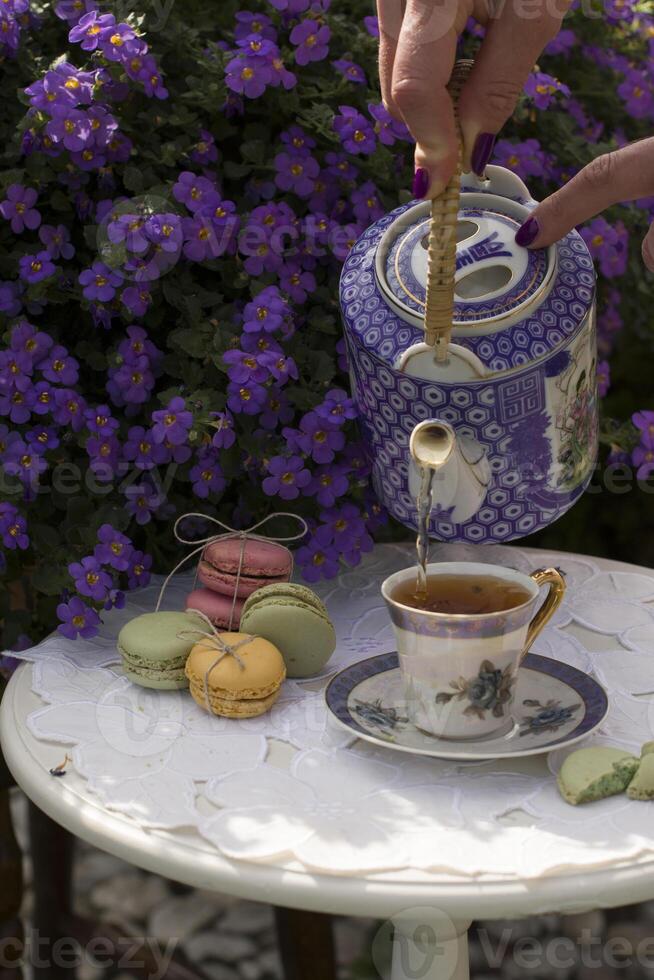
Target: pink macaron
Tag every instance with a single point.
(217, 607)
(262, 563)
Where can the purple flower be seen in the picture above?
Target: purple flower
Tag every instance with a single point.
(276, 410)
(311, 41)
(291, 6)
(150, 78)
(115, 43)
(142, 501)
(69, 409)
(56, 241)
(607, 243)
(603, 378)
(372, 25)
(172, 424)
(100, 282)
(224, 435)
(99, 420)
(245, 366)
(298, 283)
(287, 477)
(59, 367)
(113, 548)
(526, 159)
(128, 228)
(643, 460)
(18, 208)
(204, 151)
(72, 10)
(138, 573)
(23, 461)
(247, 76)
(249, 23)
(10, 302)
(44, 398)
(637, 94)
(366, 204)
(355, 131)
(89, 29)
(562, 44)
(206, 476)
(246, 398)
(337, 407)
(195, 192)
(42, 439)
(644, 421)
(104, 453)
(317, 561)
(542, 89)
(141, 449)
(296, 172)
(77, 619)
(319, 438)
(266, 312)
(328, 483)
(70, 127)
(16, 400)
(351, 71)
(201, 238)
(297, 140)
(35, 268)
(115, 600)
(13, 528)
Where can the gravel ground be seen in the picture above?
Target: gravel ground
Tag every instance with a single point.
(235, 940)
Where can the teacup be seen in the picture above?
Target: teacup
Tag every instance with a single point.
(460, 670)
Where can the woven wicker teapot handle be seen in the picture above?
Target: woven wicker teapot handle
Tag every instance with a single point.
(441, 252)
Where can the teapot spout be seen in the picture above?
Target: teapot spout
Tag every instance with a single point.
(455, 467)
(432, 443)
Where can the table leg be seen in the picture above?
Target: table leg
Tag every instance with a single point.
(428, 945)
(11, 893)
(52, 858)
(306, 944)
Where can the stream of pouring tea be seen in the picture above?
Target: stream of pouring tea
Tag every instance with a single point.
(424, 505)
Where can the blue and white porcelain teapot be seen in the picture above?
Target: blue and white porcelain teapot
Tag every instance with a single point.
(513, 406)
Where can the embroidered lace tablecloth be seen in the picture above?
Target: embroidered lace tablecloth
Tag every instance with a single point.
(343, 806)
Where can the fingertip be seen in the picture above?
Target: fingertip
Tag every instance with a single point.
(528, 233)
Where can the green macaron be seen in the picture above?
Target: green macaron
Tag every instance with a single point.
(153, 653)
(294, 619)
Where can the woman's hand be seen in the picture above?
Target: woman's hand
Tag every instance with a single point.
(624, 175)
(416, 56)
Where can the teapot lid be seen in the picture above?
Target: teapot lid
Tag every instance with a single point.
(512, 324)
(494, 279)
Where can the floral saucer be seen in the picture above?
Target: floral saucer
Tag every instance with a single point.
(555, 705)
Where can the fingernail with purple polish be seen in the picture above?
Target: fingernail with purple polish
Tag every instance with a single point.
(420, 182)
(482, 152)
(527, 232)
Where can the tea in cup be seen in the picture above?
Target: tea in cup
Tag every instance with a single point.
(460, 643)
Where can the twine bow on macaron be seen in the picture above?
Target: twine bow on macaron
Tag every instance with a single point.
(231, 532)
(212, 639)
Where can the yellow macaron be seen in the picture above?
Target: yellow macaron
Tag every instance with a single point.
(242, 684)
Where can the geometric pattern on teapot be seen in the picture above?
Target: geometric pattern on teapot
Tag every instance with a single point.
(519, 422)
(556, 319)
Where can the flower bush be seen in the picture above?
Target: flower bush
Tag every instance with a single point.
(179, 190)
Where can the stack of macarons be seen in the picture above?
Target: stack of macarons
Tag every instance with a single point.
(230, 570)
(296, 621)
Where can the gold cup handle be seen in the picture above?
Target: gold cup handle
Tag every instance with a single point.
(556, 582)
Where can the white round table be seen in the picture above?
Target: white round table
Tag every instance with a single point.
(413, 899)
